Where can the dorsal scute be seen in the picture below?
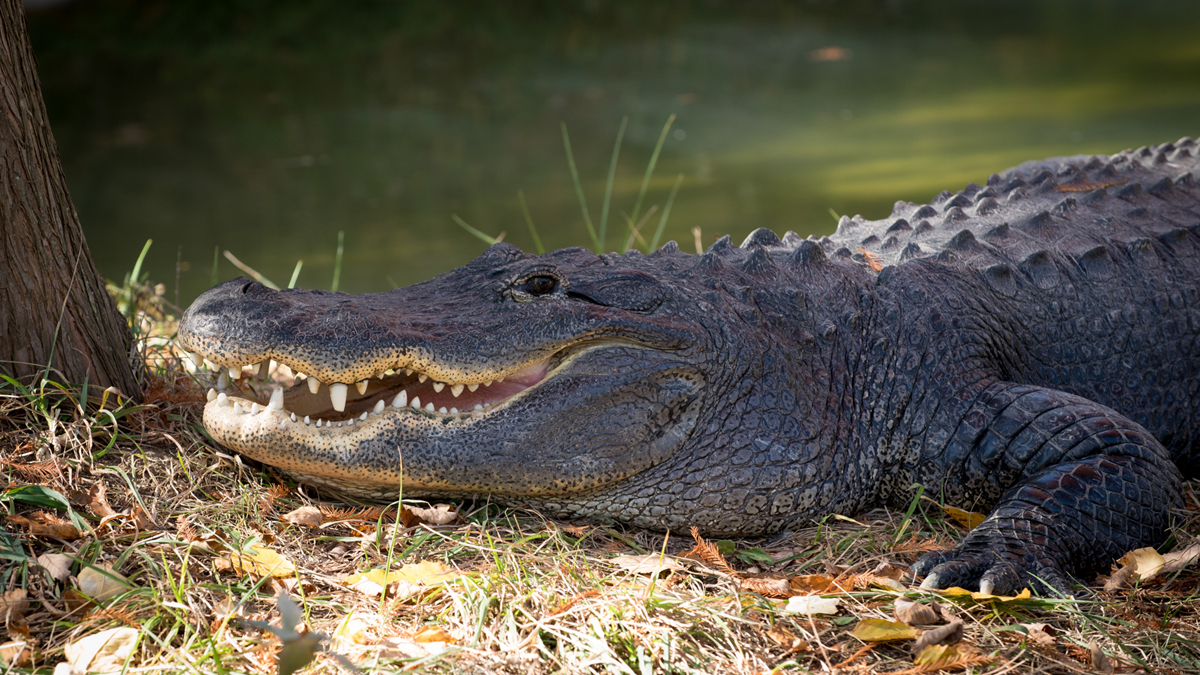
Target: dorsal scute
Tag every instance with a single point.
(761, 237)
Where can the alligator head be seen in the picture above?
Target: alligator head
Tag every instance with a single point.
(515, 375)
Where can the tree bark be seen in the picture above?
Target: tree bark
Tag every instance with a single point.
(53, 307)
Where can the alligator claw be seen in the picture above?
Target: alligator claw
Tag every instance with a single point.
(987, 562)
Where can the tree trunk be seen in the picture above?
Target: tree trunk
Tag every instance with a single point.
(53, 306)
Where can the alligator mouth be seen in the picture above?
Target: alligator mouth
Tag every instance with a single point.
(276, 388)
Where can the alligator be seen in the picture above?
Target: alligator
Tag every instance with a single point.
(1029, 346)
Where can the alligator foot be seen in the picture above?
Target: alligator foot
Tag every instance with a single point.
(1000, 556)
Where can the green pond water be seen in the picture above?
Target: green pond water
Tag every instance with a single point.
(266, 128)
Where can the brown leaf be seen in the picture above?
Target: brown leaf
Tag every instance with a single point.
(57, 564)
(13, 605)
(810, 583)
(942, 635)
(309, 516)
(105, 651)
(916, 613)
(1100, 662)
(16, 654)
(948, 657)
(968, 519)
(1180, 558)
(650, 563)
(770, 584)
(709, 553)
(882, 630)
(97, 503)
(433, 634)
(1121, 579)
(44, 524)
(1146, 563)
(262, 561)
(890, 571)
(142, 519)
(786, 639)
(436, 515)
(101, 584)
(408, 580)
(1041, 633)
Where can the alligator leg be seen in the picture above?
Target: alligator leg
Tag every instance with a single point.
(1092, 485)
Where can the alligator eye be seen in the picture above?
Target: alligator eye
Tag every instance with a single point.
(541, 285)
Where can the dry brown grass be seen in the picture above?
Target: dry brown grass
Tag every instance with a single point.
(533, 595)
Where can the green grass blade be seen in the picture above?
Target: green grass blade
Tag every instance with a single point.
(216, 257)
(254, 274)
(608, 185)
(835, 215)
(489, 240)
(637, 206)
(137, 266)
(537, 241)
(337, 260)
(662, 222)
(587, 219)
(296, 273)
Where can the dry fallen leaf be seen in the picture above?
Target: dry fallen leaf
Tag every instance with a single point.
(309, 516)
(1145, 562)
(1041, 633)
(650, 563)
(1180, 558)
(436, 515)
(880, 581)
(942, 635)
(968, 519)
(770, 584)
(13, 605)
(105, 651)
(97, 503)
(957, 593)
(1100, 662)
(16, 654)
(45, 524)
(811, 583)
(948, 657)
(882, 630)
(812, 604)
(262, 561)
(351, 630)
(409, 579)
(893, 572)
(433, 634)
(786, 639)
(916, 613)
(403, 648)
(57, 564)
(142, 519)
(101, 584)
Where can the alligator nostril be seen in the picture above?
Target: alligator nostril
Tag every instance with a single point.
(246, 288)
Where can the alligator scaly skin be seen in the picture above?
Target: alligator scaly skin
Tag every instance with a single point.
(1028, 346)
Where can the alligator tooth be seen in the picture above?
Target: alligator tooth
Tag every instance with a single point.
(222, 399)
(429, 406)
(196, 360)
(416, 402)
(272, 366)
(364, 415)
(276, 399)
(479, 406)
(488, 383)
(223, 381)
(210, 365)
(454, 411)
(237, 408)
(318, 424)
(235, 372)
(362, 386)
(212, 394)
(439, 386)
(306, 420)
(254, 408)
(387, 373)
(422, 377)
(408, 371)
(283, 370)
(337, 395)
(472, 387)
(441, 409)
(377, 409)
(401, 400)
(499, 379)
(313, 385)
(292, 417)
(456, 390)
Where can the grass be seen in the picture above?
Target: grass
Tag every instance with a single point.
(520, 593)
